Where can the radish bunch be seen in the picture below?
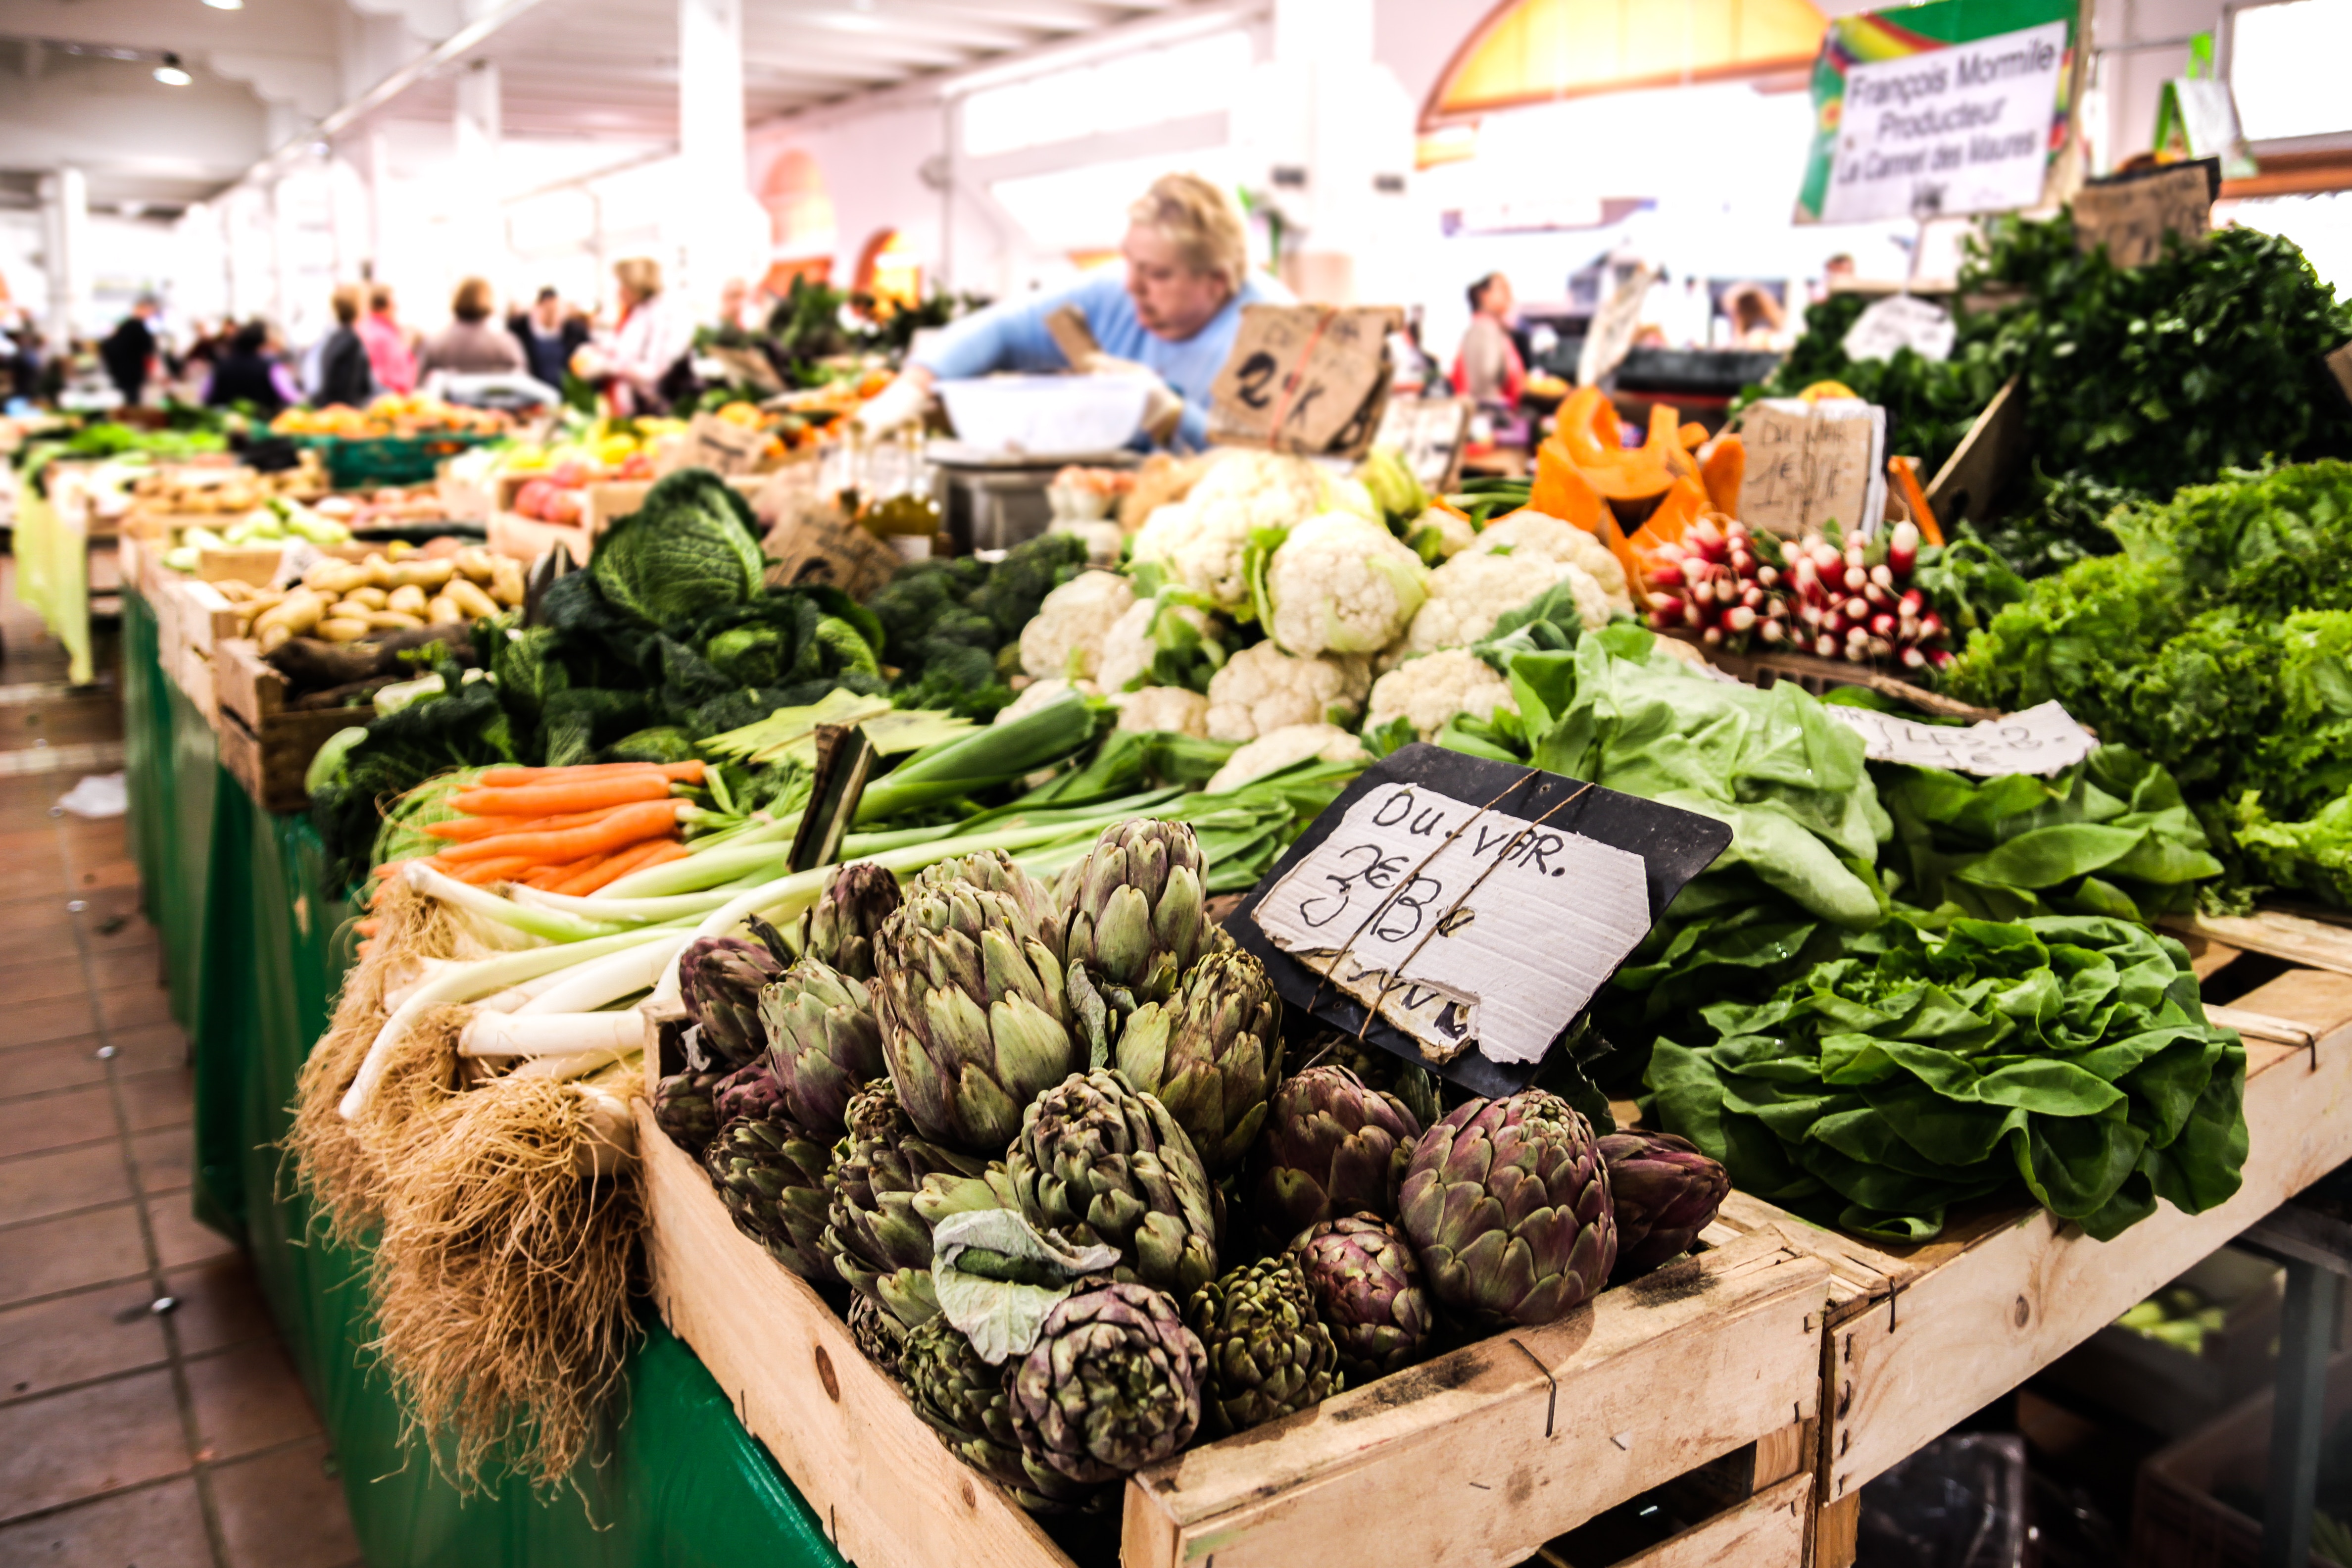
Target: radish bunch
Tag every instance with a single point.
(1853, 601)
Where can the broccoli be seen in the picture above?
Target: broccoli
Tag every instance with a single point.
(1019, 583)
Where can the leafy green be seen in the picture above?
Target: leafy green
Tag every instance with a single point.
(692, 549)
(1929, 404)
(2068, 1055)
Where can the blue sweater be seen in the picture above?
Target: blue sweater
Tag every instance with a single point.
(1013, 336)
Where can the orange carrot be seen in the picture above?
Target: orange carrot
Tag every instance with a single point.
(386, 869)
(659, 852)
(547, 877)
(363, 949)
(368, 927)
(632, 824)
(482, 873)
(465, 829)
(552, 799)
(584, 876)
(511, 778)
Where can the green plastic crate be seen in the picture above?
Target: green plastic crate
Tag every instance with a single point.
(388, 459)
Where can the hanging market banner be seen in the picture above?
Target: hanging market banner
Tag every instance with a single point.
(1934, 110)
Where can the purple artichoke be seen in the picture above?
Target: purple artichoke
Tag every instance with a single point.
(770, 1173)
(683, 1108)
(822, 1040)
(839, 928)
(1663, 1191)
(966, 1402)
(1507, 1204)
(886, 1188)
(752, 1089)
(719, 979)
(1331, 1147)
(1368, 1291)
(1112, 1384)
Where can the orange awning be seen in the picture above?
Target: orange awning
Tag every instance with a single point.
(1533, 51)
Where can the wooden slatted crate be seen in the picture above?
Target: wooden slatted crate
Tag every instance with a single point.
(266, 743)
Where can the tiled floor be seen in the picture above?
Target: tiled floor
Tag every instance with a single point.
(130, 1437)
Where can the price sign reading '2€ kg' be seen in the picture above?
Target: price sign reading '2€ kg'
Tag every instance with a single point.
(1460, 925)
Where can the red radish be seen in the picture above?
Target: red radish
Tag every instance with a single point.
(1739, 618)
(1915, 601)
(1882, 625)
(1856, 608)
(1881, 576)
(1903, 549)
(1662, 620)
(1913, 659)
(1768, 576)
(1752, 597)
(1854, 578)
(1931, 626)
(1772, 631)
(1712, 636)
(1665, 575)
(1826, 646)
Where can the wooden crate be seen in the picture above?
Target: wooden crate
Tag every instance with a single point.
(265, 742)
(526, 539)
(1503, 1445)
(1919, 1337)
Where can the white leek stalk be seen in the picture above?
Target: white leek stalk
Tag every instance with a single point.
(604, 981)
(563, 1068)
(552, 1034)
(543, 923)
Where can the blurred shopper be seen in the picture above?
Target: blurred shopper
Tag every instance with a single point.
(1756, 318)
(343, 373)
(247, 372)
(130, 349)
(1489, 369)
(469, 345)
(389, 359)
(651, 337)
(1174, 313)
(734, 303)
(548, 336)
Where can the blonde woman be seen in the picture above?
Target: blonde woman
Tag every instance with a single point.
(648, 341)
(1174, 309)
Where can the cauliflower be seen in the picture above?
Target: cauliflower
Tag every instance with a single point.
(1170, 707)
(1038, 693)
(1470, 593)
(1065, 639)
(1198, 544)
(1262, 689)
(1131, 648)
(1340, 585)
(1430, 691)
(1292, 744)
(1438, 535)
(1528, 533)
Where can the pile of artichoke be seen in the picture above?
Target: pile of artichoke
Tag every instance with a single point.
(1043, 1138)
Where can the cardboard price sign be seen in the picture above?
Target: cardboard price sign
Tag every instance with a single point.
(1428, 432)
(2131, 214)
(810, 543)
(723, 446)
(2041, 740)
(1462, 912)
(1311, 379)
(1812, 463)
(1901, 321)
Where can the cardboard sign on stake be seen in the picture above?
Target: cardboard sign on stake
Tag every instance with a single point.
(1309, 379)
(2131, 214)
(1461, 914)
(721, 445)
(1810, 464)
(1428, 433)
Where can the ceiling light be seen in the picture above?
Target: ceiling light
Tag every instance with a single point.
(226, 5)
(170, 74)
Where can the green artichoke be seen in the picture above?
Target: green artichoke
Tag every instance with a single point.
(964, 1400)
(975, 1023)
(1102, 1163)
(1268, 1354)
(771, 1174)
(1209, 1053)
(1507, 1202)
(824, 1040)
(839, 929)
(1113, 1384)
(1137, 917)
(683, 1108)
(1663, 1192)
(1368, 1291)
(878, 1334)
(719, 979)
(1331, 1148)
(886, 1187)
(750, 1090)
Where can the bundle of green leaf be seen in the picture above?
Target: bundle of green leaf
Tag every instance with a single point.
(944, 623)
(2068, 1055)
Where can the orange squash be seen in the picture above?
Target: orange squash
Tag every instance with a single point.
(1561, 489)
(1723, 469)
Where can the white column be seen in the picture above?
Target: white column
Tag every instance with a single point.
(65, 242)
(284, 203)
(717, 183)
(477, 225)
(379, 196)
(1329, 111)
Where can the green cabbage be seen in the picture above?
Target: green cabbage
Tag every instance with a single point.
(691, 550)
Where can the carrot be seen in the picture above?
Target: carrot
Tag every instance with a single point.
(547, 877)
(659, 852)
(509, 778)
(632, 824)
(482, 873)
(386, 869)
(368, 927)
(584, 876)
(465, 829)
(551, 799)
(363, 949)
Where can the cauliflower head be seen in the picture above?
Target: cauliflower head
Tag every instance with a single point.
(1430, 691)
(1169, 707)
(1470, 593)
(1524, 533)
(1198, 544)
(1131, 648)
(1065, 639)
(1262, 689)
(1038, 693)
(1438, 535)
(1340, 585)
(1292, 744)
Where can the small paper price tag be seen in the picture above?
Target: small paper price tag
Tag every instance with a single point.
(1810, 464)
(1901, 321)
(1311, 379)
(2037, 740)
(1428, 433)
(2132, 214)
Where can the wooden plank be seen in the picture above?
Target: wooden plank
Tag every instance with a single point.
(271, 761)
(1767, 1530)
(887, 1490)
(1962, 1320)
(1984, 463)
(1509, 1442)
(2319, 944)
(248, 687)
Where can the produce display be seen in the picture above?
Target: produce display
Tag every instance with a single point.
(187, 489)
(392, 413)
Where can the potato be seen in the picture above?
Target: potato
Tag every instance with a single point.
(274, 637)
(506, 581)
(428, 576)
(381, 572)
(371, 598)
(343, 628)
(471, 602)
(477, 564)
(335, 577)
(392, 621)
(299, 613)
(351, 609)
(408, 600)
(442, 610)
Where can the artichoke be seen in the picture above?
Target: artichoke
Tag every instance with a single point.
(771, 1174)
(964, 1400)
(1137, 916)
(1268, 1354)
(719, 979)
(840, 926)
(975, 1024)
(878, 1334)
(1113, 1384)
(1209, 1054)
(683, 1108)
(750, 1090)
(1507, 1204)
(1368, 1291)
(1331, 1148)
(824, 1040)
(886, 1187)
(1663, 1192)
(1101, 1163)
